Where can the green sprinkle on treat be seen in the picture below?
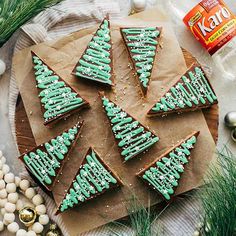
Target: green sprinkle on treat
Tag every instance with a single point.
(45, 161)
(96, 62)
(164, 173)
(131, 136)
(142, 46)
(57, 98)
(92, 179)
(191, 92)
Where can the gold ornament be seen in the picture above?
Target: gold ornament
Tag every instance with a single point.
(53, 231)
(27, 216)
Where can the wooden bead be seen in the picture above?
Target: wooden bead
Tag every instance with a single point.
(13, 227)
(5, 222)
(30, 204)
(2, 67)
(37, 228)
(9, 178)
(10, 207)
(3, 159)
(41, 209)
(1, 174)
(5, 169)
(196, 233)
(21, 232)
(31, 233)
(24, 184)
(3, 211)
(3, 202)
(139, 5)
(2, 184)
(11, 188)
(17, 181)
(44, 219)
(3, 193)
(13, 197)
(1, 226)
(19, 204)
(9, 217)
(37, 200)
(30, 193)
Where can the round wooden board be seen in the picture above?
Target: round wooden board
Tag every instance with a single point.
(25, 139)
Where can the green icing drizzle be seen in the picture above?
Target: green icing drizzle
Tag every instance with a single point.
(133, 138)
(165, 175)
(44, 164)
(92, 179)
(192, 90)
(95, 62)
(56, 97)
(143, 44)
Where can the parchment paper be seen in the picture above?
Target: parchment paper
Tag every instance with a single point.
(62, 56)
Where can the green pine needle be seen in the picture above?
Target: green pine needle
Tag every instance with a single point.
(141, 219)
(14, 13)
(219, 197)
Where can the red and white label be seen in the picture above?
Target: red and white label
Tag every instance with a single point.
(212, 23)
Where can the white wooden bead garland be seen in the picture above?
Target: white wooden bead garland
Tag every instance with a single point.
(139, 5)
(10, 202)
(2, 67)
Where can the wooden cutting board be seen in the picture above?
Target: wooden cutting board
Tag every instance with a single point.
(25, 139)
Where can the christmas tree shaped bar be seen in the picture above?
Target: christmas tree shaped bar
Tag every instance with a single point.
(164, 173)
(58, 99)
(45, 162)
(191, 92)
(142, 44)
(96, 62)
(93, 178)
(131, 136)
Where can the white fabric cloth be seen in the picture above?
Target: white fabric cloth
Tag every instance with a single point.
(71, 15)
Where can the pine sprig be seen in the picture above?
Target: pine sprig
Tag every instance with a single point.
(219, 197)
(14, 13)
(141, 219)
